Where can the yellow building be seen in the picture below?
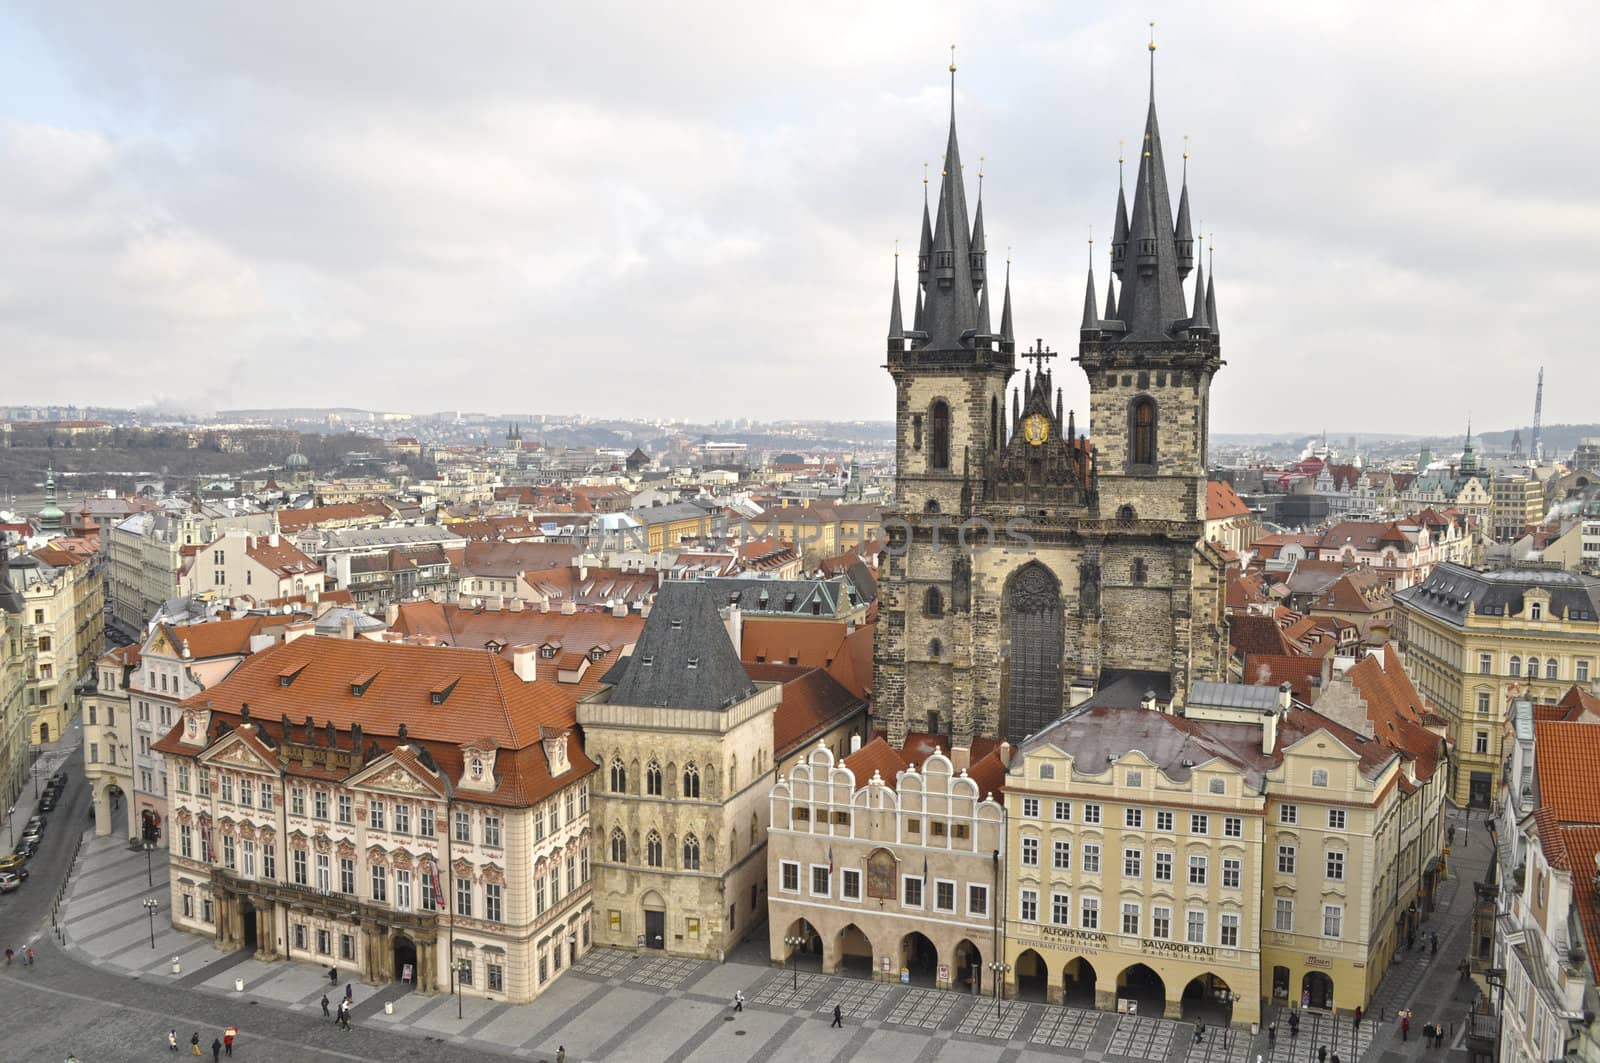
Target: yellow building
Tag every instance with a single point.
(1475, 641)
(1192, 866)
(1516, 505)
(13, 687)
(64, 622)
(819, 529)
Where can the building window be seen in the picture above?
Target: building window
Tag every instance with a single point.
(911, 891)
(1288, 814)
(186, 840)
(347, 809)
(1164, 822)
(297, 862)
(1319, 777)
(1161, 923)
(652, 849)
(691, 853)
(491, 830)
(1061, 909)
(1583, 670)
(1218, 786)
(1197, 871)
(691, 781)
(464, 897)
(1516, 666)
(319, 804)
(183, 778)
(1063, 811)
(1199, 824)
(300, 936)
(347, 875)
(248, 858)
(1283, 915)
(380, 883)
(1030, 808)
(1163, 872)
(1336, 819)
(1091, 814)
(619, 846)
(977, 899)
(1336, 866)
(1091, 859)
(1483, 703)
(1133, 818)
(619, 776)
(402, 819)
(226, 788)
(789, 877)
(1552, 668)
(1130, 918)
(652, 779)
(375, 815)
(1133, 863)
(1030, 852)
(1061, 858)
(1285, 859)
(297, 801)
(1480, 742)
(1232, 872)
(944, 896)
(493, 901)
(1028, 907)
(1228, 929)
(463, 827)
(821, 881)
(227, 852)
(1232, 827)
(1089, 912)
(1142, 444)
(1332, 920)
(1535, 611)
(464, 969)
(1196, 932)
(497, 977)
(939, 435)
(933, 602)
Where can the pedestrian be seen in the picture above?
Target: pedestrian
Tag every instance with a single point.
(216, 1050)
(838, 1018)
(1433, 939)
(1258, 1057)
(1272, 1033)
(1358, 1016)
(227, 1040)
(738, 1000)
(1200, 1033)
(561, 1054)
(324, 1005)
(9, 954)
(194, 1043)
(1336, 1057)
(30, 955)
(1405, 1028)
(333, 975)
(1439, 1032)
(1322, 1054)
(349, 991)
(172, 1040)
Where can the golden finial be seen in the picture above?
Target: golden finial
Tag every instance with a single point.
(953, 56)
(924, 173)
(1121, 145)
(897, 249)
(1008, 254)
(1186, 145)
(1152, 35)
(981, 159)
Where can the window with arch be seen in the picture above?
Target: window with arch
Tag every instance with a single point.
(994, 422)
(931, 506)
(691, 853)
(1140, 573)
(1533, 668)
(733, 774)
(1551, 668)
(691, 781)
(935, 648)
(652, 849)
(1142, 432)
(652, 779)
(1516, 665)
(1126, 513)
(619, 846)
(933, 602)
(939, 435)
(619, 776)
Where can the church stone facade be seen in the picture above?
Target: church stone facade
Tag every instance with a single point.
(1032, 567)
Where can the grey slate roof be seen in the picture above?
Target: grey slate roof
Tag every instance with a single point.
(1450, 588)
(1234, 696)
(784, 597)
(684, 658)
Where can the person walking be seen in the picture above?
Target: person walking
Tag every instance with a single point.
(561, 1054)
(1322, 1054)
(349, 991)
(30, 955)
(9, 954)
(738, 1000)
(216, 1050)
(227, 1040)
(1272, 1034)
(324, 1005)
(172, 1040)
(838, 1018)
(1405, 1028)
(333, 975)
(1433, 940)
(1200, 1032)
(1358, 1018)
(194, 1043)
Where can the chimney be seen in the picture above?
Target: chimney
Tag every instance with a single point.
(186, 648)
(347, 627)
(569, 607)
(391, 613)
(960, 758)
(620, 609)
(525, 662)
(583, 569)
(1269, 731)
(1285, 696)
(734, 622)
(1148, 702)
(514, 605)
(855, 746)
(274, 539)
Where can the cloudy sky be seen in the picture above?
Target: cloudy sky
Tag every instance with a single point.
(691, 210)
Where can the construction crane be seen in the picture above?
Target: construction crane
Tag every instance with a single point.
(1535, 447)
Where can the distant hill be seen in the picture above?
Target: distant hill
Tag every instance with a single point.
(1559, 439)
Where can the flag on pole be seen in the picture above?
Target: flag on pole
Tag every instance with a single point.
(924, 872)
(438, 892)
(830, 861)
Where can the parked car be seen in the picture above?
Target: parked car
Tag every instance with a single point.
(9, 882)
(48, 802)
(38, 821)
(26, 848)
(12, 862)
(32, 835)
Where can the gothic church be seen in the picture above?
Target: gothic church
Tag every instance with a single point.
(1034, 567)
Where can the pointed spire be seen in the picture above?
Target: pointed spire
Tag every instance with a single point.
(1211, 289)
(1058, 406)
(1016, 405)
(1183, 235)
(916, 321)
(978, 255)
(1198, 321)
(952, 305)
(925, 248)
(1119, 225)
(983, 329)
(1008, 341)
(897, 338)
(1111, 300)
(1091, 312)
(1072, 426)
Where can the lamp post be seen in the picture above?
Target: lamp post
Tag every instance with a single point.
(1496, 977)
(998, 970)
(795, 943)
(150, 906)
(149, 875)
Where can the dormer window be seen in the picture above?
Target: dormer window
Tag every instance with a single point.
(477, 768)
(1535, 610)
(596, 653)
(676, 624)
(694, 662)
(647, 660)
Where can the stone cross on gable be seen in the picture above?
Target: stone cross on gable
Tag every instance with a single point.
(1040, 354)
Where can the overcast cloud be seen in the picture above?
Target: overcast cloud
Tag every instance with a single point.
(688, 210)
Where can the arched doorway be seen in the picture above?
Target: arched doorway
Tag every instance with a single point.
(1033, 673)
(806, 957)
(1316, 990)
(1207, 999)
(247, 923)
(854, 950)
(1077, 983)
(405, 960)
(920, 957)
(1033, 977)
(967, 971)
(1141, 985)
(655, 920)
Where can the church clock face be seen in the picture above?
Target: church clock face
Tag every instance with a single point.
(1035, 429)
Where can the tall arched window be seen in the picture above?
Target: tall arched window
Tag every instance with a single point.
(1516, 665)
(652, 849)
(935, 648)
(935, 602)
(1142, 432)
(1533, 668)
(1032, 608)
(691, 853)
(619, 776)
(1140, 573)
(652, 779)
(1551, 668)
(733, 774)
(939, 435)
(619, 846)
(691, 781)
(994, 423)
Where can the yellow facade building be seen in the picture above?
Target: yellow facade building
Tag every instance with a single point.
(1477, 641)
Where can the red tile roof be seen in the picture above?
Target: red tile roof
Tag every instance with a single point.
(369, 512)
(1581, 845)
(452, 625)
(1564, 757)
(1222, 501)
(1271, 669)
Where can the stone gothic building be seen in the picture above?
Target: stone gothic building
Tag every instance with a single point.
(1033, 566)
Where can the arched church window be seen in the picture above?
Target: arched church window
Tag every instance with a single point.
(691, 781)
(619, 846)
(652, 779)
(691, 853)
(1140, 573)
(931, 506)
(935, 648)
(935, 602)
(939, 435)
(1126, 513)
(652, 849)
(994, 423)
(619, 776)
(1142, 445)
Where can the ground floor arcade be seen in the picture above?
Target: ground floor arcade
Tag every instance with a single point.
(883, 947)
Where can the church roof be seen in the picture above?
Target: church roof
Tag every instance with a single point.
(684, 658)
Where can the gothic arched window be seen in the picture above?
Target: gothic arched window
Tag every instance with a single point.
(1032, 608)
(652, 779)
(935, 602)
(691, 781)
(619, 846)
(1142, 432)
(691, 853)
(994, 423)
(939, 435)
(652, 849)
(1140, 574)
(935, 648)
(619, 776)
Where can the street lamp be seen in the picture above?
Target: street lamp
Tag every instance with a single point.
(795, 944)
(998, 971)
(149, 876)
(1496, 977)
(150, 905)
